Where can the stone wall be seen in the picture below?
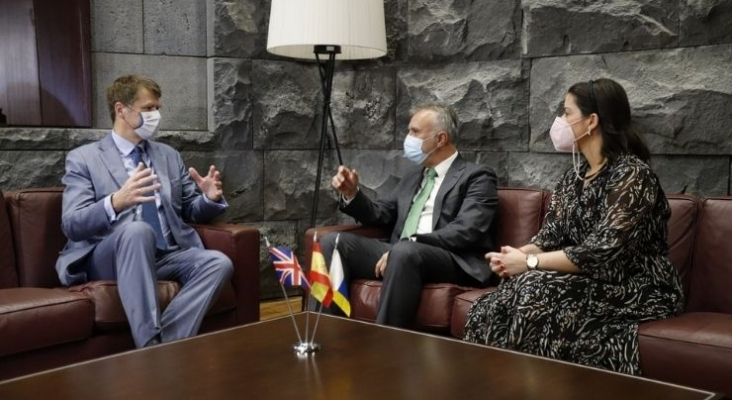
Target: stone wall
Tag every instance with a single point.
(504, 64)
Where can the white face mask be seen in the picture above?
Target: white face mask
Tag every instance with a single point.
(413, 149)
(564, 141)
(148, 125)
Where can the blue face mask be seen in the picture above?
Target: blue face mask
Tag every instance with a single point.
(413, 149)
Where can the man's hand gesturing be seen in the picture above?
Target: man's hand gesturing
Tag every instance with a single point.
(139, 188)
(210, 184)
(345, 182)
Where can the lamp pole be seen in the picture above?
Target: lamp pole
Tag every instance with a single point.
(326, 67)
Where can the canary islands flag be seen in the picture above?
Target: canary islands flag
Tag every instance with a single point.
(337, 281)
(319, 279)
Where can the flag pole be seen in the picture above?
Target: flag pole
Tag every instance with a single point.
(320, 309)
(289, 307)
(307, 316)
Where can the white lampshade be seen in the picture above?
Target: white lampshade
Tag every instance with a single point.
(357, 26)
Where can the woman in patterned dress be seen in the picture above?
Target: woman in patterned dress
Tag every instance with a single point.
(599, 266)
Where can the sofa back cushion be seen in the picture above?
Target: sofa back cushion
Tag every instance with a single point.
(520, 215)
(711, 278)
(8, 274)
(681, 233)
(35, 220)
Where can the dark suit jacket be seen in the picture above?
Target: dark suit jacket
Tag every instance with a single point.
(95, 170)
(465, 207)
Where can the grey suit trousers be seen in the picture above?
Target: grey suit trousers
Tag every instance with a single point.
(130, 257)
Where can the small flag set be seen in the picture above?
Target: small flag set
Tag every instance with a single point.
(326, 287)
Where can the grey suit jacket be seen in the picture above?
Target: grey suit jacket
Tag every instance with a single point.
(465, 207)
(94, 171)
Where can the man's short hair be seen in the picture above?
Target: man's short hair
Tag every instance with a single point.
(124, 90)
(446, 118)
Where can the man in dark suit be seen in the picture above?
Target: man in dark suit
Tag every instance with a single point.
(125, 205)
(441, 213)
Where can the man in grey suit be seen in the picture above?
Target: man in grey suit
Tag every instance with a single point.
(125, 205)
(440, 213)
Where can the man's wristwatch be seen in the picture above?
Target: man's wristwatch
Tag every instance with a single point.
(532, 262)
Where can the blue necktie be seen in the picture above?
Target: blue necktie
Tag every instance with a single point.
(149, 208)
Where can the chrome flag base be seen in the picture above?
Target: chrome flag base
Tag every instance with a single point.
(305, 348)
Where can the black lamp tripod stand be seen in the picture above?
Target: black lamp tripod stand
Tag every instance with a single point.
(325, 69)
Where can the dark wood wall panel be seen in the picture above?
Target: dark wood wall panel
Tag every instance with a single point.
(19, 84)
(64, 61)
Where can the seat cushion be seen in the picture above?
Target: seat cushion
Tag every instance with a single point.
(435, 307)
(693, 349)
(34, 318)
(110, 315)
(460, 307)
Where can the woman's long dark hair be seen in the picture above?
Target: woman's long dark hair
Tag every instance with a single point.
(608, 100)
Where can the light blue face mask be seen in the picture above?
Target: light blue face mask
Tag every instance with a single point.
(413, 149)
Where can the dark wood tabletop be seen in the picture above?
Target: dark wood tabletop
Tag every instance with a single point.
(356, 361)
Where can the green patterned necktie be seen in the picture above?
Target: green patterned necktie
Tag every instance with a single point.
(415, 211)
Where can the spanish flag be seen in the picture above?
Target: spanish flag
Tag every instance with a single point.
(318, 277)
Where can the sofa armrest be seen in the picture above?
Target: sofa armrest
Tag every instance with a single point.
(241, 245)
(377, 232)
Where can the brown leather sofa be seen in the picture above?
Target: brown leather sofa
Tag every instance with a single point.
(693, 349)
(44, 325)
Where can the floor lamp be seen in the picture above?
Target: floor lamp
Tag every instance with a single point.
(320, 30)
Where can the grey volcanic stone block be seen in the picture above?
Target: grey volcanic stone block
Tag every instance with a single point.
(289, 184)
(496, 161)
(238, 28)
(29, 169)
(379, 170)
(241, 174)
(230, 87)
(705, 22)
(15, 138)
(175, 27)
(182, 81)
(490, 98)
(680, 98)
(554, 27)
(537, 170)
(78, 137)
(363, 104)
(472, 30)
(116, 28)
(397, 33)
(701, 176)
(286, 97)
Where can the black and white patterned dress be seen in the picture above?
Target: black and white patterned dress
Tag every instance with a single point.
(615, 231)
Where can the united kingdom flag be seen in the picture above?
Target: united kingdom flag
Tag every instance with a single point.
(287, 267)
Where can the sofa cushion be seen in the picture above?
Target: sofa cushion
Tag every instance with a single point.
(711, 268)
(35, 218)
(681, 232)
(110, 316)
(520, 215)
(8, 274)
(433, 314)
(693, 349)
(460, 308)
(33, 318)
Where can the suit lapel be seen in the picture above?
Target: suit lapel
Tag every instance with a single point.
(110, 158)
(453, 175)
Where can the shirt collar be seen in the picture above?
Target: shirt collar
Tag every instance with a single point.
(442, 167)
(123, 145)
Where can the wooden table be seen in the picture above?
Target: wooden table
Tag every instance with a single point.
(357, 361)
